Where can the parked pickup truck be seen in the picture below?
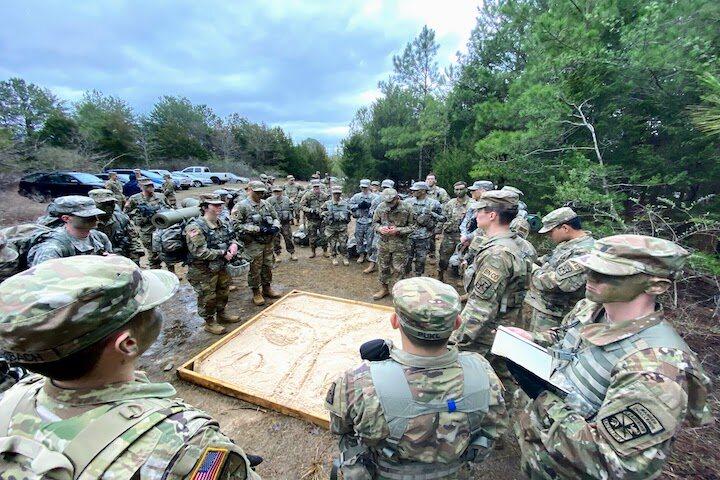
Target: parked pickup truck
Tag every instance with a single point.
(204, 172)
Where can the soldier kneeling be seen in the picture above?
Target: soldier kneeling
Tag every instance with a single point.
(451, 401)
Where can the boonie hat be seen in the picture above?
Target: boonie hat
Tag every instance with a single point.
(557, 217)
(623, 255)
(427, 308)
(64, 305)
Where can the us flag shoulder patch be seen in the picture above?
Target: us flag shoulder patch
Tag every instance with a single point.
(210, 464)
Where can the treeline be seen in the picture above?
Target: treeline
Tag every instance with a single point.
(609, 105)
(37, 130)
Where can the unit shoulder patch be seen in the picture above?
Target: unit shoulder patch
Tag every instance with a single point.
(633, 422)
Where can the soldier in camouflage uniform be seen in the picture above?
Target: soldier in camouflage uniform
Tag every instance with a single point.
(360, 204)
(168, 188)
(631, 378)
(285, 211)
(77, 235)
(256, 223)
(336, 216)
(375, 187)
(393, 221)
(141, 207)
(454, 211)
(88, 413)
(559, 282)
(373, 253)
(311, 204)
(425, 410)
(116, 224)
(477, 189)
(211, 245)
(116, 187)
(427, 213)
(294, 192)
(500, 281)
(438, 193)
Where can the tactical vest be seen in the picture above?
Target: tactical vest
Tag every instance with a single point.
(116, 231)
(424, 218)
(282, 207)
(586, 369)
(363, 215)
(399, 407)
(22, 456)
(338, 214)
(216, 238)
(456, 215)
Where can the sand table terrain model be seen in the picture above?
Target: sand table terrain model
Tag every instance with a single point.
(287, 356)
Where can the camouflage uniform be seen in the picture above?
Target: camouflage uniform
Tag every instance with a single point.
(360, 206)
(118, 227)
(310, 204)
(116, 187)
(252, 222)
(438, 193)
(498, 290)
(439, 435)
(294, 192)
(470, 214)
(285, 211)
(124, 430)
(373, 206)
(9, 259)
(392, 249)
(336, 216)
(632, 382)
(207, 246)
(141, 210)
(427, 213)
(168, 188)
(454, 211)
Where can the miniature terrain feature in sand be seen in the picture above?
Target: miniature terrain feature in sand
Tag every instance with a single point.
(286, 357)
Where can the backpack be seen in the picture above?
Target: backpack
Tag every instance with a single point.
(170, 243)
(23, 237)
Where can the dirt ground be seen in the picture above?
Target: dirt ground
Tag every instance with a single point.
(293, 448)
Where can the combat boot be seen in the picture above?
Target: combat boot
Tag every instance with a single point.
(211, 326)
(335, 261)
(346, 262)
(223, 317)
(268, 292)
(258, 297)
(326, 254)
(382, 293)
(293, 257)
(370, 268)
(312, 252)
(361, 258)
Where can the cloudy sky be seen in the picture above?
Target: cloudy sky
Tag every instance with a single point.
(304, 65)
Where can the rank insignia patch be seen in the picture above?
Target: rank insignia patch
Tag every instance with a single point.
(633, 422)
(210, 465)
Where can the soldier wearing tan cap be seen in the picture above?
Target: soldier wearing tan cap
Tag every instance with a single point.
(117, 225)
(558, 283)
(141, 207)
(631, 378)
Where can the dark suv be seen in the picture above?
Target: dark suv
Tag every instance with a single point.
(43, 187)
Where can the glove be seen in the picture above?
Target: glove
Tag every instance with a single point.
(375, 350)
(472, 225)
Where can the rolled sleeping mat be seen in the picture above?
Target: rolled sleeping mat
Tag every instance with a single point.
(169, 218)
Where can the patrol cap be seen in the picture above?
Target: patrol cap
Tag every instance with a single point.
(221, 192)
(336, 189)
(256, 186)
(167, 175)
(290, 177)
(263, 176)
(77, 205)
(64, 305)
(427, 308)
(315, 175)
(190, 202)
(481, 184)
(277, 188)
(623, 255)
(499, 199)
(211, 199)
(365, 183)
(145, 181)
(389, 194)
(6, 254)
(557, 217)
(101, 195)
(315, 182)
(387, 183)
(419, 186)
(460, 186)
(513, 189)
(375, 183)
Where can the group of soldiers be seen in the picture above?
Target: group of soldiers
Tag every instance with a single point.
(623, 380)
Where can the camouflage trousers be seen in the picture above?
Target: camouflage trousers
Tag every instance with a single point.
(336, 240)
(417, 256)
(447, 247)
(261, 262)
(153, 258)
(313, 228)
(374, 247)
(363, 237)
(285, 234)
(391, 258)
(212, 288)
(543, 321)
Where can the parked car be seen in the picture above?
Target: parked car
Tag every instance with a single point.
(106, 176)
(196, 179)
(44, 186)
(232, 178)
(216, 177)
(179, 182)
(156, 179)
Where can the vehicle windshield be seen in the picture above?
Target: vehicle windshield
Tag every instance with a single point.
(87, 178)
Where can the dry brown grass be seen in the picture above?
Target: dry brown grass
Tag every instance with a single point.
(16, 208)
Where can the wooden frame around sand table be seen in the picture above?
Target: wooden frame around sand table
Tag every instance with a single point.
(374, 317)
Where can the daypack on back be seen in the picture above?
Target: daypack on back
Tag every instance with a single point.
(23, 237)
(170, 243)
